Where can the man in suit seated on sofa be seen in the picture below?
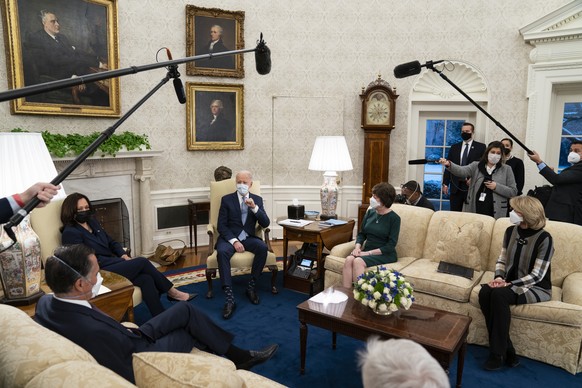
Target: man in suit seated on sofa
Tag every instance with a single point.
(73, 275)
(238, 215)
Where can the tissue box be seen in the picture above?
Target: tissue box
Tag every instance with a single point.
(295, 212)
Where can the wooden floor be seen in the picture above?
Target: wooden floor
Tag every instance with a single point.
(191, 259)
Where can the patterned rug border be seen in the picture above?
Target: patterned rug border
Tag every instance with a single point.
(197, 274)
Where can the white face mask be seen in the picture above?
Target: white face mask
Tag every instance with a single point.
(97, 286)
(573, 157)
(515, 218)
(242, 189)
(373, 203)
(493, 158)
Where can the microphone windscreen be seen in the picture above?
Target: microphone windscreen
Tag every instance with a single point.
(263, 58)
(407, 69)
(418, 161)
(179, 87)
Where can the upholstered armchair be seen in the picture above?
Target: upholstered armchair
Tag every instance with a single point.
(239, 260)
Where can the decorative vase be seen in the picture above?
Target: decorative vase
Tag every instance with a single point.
(386, 312)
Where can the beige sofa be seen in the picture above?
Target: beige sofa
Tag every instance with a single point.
(33, 357)
(550, 332)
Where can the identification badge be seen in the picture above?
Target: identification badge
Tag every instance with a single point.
(482, 197)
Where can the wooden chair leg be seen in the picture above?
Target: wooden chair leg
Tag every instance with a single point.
(274, 269)
(210, 273)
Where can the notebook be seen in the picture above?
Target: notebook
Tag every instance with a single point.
(455, 269)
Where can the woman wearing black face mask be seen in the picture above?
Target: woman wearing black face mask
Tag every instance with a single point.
(79, 227)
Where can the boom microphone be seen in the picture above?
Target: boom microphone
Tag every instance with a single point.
(423, 161)
(412, 68)
(262, 57)
(178, 85)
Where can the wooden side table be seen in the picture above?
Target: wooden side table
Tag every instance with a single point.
(323, 237)
(196, 206)
(116, 303)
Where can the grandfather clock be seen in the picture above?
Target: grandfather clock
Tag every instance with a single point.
(378, 108)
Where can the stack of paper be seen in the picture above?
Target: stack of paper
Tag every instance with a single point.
(297, 223)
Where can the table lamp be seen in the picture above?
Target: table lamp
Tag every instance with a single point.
(24, 160)
(330, 154)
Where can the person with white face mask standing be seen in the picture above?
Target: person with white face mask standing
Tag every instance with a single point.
(237, 218)
(376, 241)
(565, 203)
(522, 276)
(492, 182)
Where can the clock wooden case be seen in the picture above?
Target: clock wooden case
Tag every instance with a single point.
(378, 111)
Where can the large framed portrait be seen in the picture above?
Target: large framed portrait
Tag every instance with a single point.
(49, 40)
(215, 116)
(211, 31)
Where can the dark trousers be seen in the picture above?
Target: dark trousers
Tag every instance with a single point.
(458, 195)
(140, 272)
(181, 328)
(495, 304)
(225, 251)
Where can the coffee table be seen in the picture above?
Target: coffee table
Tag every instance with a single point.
(441, 333)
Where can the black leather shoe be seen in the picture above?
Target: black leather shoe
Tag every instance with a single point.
(228, 309)
(494, 362)
(252, 295)
(259, 356)
(511, 358)
(190, 297)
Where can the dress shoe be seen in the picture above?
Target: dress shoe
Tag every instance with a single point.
(259, 356)
(511, 358)
(228, 310)
(494, 362)
(252, 295)
(190, 297)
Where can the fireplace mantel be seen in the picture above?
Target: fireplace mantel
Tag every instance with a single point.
(138, 165)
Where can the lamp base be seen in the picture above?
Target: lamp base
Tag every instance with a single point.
(32, 299)
(327, 217)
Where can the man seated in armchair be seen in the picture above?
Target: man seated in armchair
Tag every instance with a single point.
(237, 218)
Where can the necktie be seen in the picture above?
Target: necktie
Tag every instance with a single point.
(244, 210)
(465, 156)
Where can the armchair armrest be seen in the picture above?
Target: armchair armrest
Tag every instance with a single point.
(343, 250)
(211, 233)
(572, 289)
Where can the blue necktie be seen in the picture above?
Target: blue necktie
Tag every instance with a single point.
(244, 210)
(465, 157)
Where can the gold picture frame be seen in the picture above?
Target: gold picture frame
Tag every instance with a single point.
(215, 116)
(48, 40)
(227, 31)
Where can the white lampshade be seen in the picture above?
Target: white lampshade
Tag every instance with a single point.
(330, 153)
(24, 160)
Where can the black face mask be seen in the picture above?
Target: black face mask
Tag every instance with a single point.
(506, 151)
(466, 136)
(84, 216)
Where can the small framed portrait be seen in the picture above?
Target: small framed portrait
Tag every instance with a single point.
(212, 31)
(50, 40)
(214, 116)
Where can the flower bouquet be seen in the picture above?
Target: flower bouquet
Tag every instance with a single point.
(383, 290)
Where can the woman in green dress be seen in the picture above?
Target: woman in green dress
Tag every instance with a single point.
(376, 242)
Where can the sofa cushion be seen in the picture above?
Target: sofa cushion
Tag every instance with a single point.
(457, 244)
(27, 348)
(253, 380)
(163, 369)
(423, 276)
(413, 228)
(78, 374)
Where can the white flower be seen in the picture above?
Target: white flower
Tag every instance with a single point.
(405, 292)
(377, 295)
(372, 304)
(393, 307)
(382, 307)
(365, 302)
(360, 281)
(356, 294)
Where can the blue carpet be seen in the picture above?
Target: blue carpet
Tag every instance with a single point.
(275, 321)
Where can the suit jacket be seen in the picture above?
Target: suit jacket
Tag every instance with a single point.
(107, 250)
(230, 217)
(518, 169)
(220, 130)
(565, 203)
(225, 62)
(5, 210)
(475, 152)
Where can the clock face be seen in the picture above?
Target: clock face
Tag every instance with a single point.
(378, 109)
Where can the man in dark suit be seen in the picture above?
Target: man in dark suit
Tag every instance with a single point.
(10, 205)
(462, 154)
(216, 45)
(237, 218)
(73, 275)
(413, 194)
(565, 203)
(220, 128)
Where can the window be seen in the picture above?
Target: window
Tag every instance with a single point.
(571, 130)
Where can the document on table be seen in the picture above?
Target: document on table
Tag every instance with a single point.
(296, 223)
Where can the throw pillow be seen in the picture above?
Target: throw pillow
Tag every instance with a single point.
(163, 369)
(458, 244)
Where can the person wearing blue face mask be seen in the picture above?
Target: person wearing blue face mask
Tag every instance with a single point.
(237, 218)
(522, 276)
(376, 241)
(565, 202)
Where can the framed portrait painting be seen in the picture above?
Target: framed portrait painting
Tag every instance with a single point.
(50, 40)
(212, 31)
(214, 116)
